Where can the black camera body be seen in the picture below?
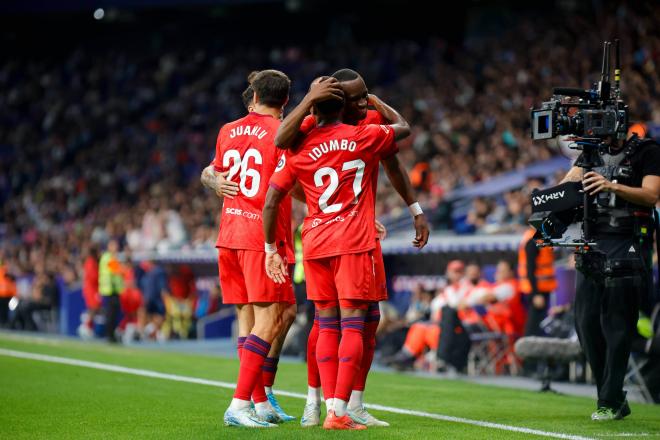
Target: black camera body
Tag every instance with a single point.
(595, 113)
(594, 118)
(585, 118)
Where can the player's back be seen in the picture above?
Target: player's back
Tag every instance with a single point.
(246, 149)
(335, 164)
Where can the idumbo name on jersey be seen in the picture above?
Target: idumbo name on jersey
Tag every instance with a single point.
(333, 145)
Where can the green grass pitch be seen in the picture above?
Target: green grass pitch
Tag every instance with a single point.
(47, 400)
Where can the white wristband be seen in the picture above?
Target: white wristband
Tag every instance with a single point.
(415, 209)
(270, 248)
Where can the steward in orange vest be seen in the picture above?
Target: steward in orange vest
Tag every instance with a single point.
(536, 277)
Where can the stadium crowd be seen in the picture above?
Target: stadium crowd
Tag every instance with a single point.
(100, 146)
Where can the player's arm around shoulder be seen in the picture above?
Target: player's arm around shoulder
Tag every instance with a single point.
(215, 179)
(396, 121)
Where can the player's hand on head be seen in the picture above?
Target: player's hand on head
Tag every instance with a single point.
(381, 230)
(226, 188)
(276, 268)
(325, 88)
(421, 231)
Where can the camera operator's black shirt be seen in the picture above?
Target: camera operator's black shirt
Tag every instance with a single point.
(644, 162)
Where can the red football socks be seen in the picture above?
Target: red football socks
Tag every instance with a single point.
(250, 383)
(350, 356)
(313, 378)
(268, 371)
(326, 354)
(239, 346)
(368, 347)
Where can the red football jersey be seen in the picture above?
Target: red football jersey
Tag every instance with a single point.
(247, 149)
(373, 117)
(335, 166)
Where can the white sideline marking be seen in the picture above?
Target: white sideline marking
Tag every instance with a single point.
(216, 383)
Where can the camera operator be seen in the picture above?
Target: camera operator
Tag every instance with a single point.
(625, 190)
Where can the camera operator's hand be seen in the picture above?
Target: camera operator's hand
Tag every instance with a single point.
(593, 183)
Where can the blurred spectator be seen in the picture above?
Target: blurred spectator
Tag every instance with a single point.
(45, 297)
(536, 276)
(392, 328)
(154, 286)
(208, 302)
(7, 292)
(425, 335)
(180, 303)
(504, 310)
(153, 115)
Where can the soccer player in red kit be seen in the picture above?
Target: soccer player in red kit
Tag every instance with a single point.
(227, 188)
(246, 150)
(356, 112)
(335, 164)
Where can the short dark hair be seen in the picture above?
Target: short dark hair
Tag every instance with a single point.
(247, 96)
(271, 87)
(251, 76)
(329, 106)
(345, 75)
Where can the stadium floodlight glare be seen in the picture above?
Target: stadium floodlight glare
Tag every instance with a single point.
(99, 14)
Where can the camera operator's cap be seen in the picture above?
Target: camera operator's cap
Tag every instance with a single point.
(455, 265)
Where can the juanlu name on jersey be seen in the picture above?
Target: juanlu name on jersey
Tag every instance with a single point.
(246, 130)
(333, 145)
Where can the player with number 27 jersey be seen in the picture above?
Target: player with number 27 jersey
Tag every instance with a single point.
(246, 149)
(335, 165)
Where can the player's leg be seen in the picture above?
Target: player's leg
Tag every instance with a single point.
(267, 325)
(350, 360)
(350, 352)
(234, 291)
(312, 412)
(356, 409)
(323, 342)
(245, 319)
(327, 348)
(313, 378)
(371, 321)
(270, 364)
(354, 280)
(263, 290)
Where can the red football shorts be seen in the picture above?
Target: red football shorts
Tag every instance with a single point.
(92, 299)
(243, 279)
(380, 282)
(342, 277)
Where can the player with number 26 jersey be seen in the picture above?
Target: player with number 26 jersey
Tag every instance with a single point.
(246, 149)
